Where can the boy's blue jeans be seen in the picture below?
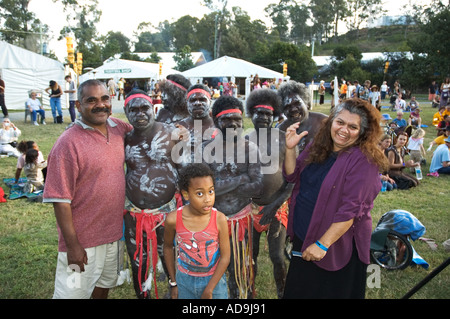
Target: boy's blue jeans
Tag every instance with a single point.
(190, 287)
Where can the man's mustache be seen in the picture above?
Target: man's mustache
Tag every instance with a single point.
(100, 109)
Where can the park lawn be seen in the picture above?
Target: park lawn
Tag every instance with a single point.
(28, 236)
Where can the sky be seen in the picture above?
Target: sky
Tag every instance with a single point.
(125, 15)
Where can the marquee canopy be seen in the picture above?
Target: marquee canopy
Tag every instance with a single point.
(230, 67)
(23, 71)
(127, 69)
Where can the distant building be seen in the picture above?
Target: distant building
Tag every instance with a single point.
(389, 20)
(366, 57)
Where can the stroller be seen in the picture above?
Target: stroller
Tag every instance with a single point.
(390, 247)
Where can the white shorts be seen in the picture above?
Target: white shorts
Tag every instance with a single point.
(101, 271)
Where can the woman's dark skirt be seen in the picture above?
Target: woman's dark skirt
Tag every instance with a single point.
(306, 280)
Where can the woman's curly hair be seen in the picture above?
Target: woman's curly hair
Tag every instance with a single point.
(369, 135)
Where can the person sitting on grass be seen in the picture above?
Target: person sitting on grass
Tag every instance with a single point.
(413, 104)
(438, 116)
(201, 234)
(385, 143)
(440, 163)
(440, 139)
(396, 154)
(23, 147)
(8, 138)
(415, 119)
(33, 171)
(442, 126)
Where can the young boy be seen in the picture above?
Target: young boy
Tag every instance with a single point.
(201, 232)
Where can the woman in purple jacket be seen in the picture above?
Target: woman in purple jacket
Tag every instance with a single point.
(336, 182)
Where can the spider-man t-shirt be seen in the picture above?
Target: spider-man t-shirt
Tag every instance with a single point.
(198, 252)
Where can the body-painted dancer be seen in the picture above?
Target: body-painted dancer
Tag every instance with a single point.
(151, 179)
(238, 178)
(263, 105)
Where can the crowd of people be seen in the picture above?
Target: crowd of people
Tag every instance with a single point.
(200, 211)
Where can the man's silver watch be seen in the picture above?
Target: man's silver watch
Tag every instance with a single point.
(172, 284)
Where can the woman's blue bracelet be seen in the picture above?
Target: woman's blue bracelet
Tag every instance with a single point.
(321, 246)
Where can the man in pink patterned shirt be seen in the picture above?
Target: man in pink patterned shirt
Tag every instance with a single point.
(86, 184)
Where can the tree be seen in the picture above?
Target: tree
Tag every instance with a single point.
(322, 18)
(205, 34)
(154, 58)
(340, 11)
(375, 68)
(341, 52)
(220, 8)
(300, 32)
(151, 39)
(300, 65)
(184, 33)
(233, 44)
(279, 14)
(416, 73)
(115, 43)
(360, 11)
(183, 58)
(432, 41)
(20, 26)
(86, 16)
(243, 35)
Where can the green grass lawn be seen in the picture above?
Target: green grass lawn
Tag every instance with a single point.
(28, 236)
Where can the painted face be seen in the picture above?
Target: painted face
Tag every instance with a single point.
(262, 118)
(345, 130)
(228, 123)
(200, 194)
(198, 105)
(164, 98)
(140, 113)
(95, 106)
(295, 108)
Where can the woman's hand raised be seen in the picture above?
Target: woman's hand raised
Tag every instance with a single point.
(292, 138)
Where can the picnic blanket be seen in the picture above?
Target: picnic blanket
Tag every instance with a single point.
(17, 190)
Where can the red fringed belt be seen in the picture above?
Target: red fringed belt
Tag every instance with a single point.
(242, 250)
(147, 220)
(281, 215)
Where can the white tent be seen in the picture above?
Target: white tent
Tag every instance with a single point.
(23, 70)
(230, 67)
(128, 69)
(167, 60)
